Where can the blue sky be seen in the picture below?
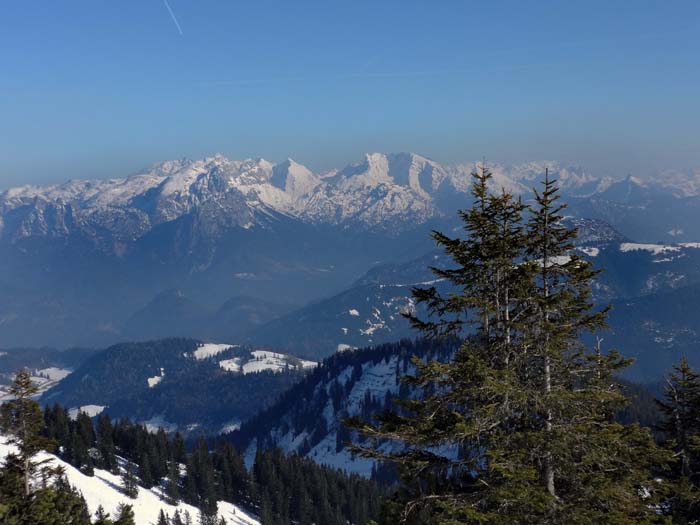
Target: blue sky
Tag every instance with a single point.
(92, 88)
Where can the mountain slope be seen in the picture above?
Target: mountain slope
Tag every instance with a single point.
(308, 418)
(103, 489)
(179, 383)
(369, 312)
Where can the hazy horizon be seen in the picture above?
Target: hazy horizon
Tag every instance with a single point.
(102, 90)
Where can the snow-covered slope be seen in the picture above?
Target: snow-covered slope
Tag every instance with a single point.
(103, 489)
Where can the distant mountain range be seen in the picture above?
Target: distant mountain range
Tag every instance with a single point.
(382, 191)
(217, 248)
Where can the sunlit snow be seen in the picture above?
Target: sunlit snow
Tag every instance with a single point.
(103, 489)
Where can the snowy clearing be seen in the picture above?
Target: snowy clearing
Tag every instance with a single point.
(53, 373)
(654, 249)
(264, 360)
(153, 381)
(90, 410)
(207, 350)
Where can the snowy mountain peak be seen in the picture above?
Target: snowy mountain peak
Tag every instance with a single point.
(293, 178)
(388, 191)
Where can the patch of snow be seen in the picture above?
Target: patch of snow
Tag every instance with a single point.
(354, 312)
(53, 373)
(655, 249)
(207, 350)
(230, 427)
(231, 365)
(90, 410)
(153, 381)
(264, 360)
(342, 347)
(156, 422)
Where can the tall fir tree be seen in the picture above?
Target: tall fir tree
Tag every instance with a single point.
(22, 421)
(130, 483)
(125, 515)
(102, 517)
(105, 443)
(518, 428)
(681, 432)
(162, 518)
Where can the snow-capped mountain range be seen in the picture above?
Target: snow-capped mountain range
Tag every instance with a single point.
(380, 191)
(188, 243)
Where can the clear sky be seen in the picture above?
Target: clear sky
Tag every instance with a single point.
(95, 88)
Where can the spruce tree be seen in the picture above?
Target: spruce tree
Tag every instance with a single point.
(162, 518)
(681, 431)
(102, 517)
(105, 443)
(130, 485)
(22, 421)
(519, 426)
(125, 515)
(177, 519)
(172, 490)
(145, 474)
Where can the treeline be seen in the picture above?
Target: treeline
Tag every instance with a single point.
(281, 489)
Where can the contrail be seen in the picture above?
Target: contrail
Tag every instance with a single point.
(172, 15)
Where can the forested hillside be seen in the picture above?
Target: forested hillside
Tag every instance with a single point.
(179, 383)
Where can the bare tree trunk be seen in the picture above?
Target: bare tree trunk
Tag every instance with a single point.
(548, 461)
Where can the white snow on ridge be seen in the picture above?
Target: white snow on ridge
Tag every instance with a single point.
(158, 422)
(231, 426)
(53, 373)
(654, 249)
(207, 350)
(231, 365)
(90, 410)
(264, 360)
(102, 489)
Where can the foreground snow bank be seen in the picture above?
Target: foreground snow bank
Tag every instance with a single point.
(104, 489)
